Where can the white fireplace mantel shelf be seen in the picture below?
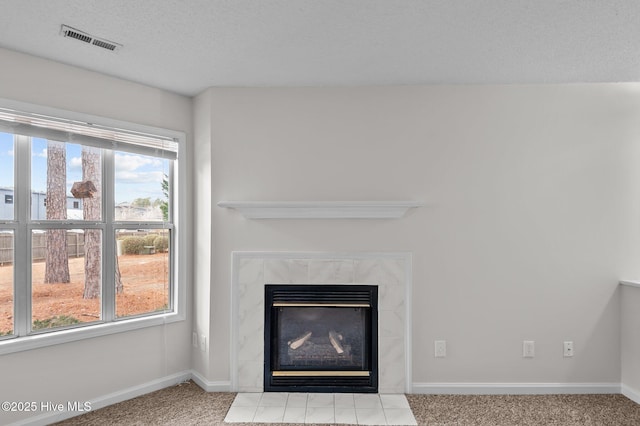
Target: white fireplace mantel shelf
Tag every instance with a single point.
(321, 209)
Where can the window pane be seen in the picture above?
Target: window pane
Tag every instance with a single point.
(66, 277)
(141, 187)
(143, 266)
(6, 176)
(66, 181)
(6, 282)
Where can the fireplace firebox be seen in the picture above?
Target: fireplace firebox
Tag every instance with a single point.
(321, 338)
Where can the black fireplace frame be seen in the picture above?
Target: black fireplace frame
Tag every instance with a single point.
(359, 382)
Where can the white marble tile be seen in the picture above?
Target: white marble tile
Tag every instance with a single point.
(247, 399)
(274, 399)
(297, 400)
(321, 271)
(346, 416)
(251, 299)
(390, 324)
(299, 271)
(367, 400)
(249, 347)
(250, 294)
(320, 400)
(390, 298)
(251, 315)
(344, 400)
(372, 409)
(371, 416)
(276, 271)
(330, 271)
(250, 271)
(320, 415)
(240, 414)
(392, 272)
(250, 376)
(344, 273)
(394, 401)
(391, 366)
(366, 271)
(269, 415)
(294, 415)
(251, 320)
(400, 416)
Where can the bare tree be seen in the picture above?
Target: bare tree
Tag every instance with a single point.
(57, 259)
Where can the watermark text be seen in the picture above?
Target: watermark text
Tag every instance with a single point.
(45, 406)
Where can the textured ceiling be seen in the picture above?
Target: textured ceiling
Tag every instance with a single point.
(186, 46)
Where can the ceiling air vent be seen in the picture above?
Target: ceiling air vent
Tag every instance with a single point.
(67, 31)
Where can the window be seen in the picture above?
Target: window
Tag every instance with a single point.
(97, 205)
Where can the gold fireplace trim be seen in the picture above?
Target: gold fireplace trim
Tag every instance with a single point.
(320, 305)
(320, 373)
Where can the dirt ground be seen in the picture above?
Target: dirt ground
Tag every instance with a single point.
(144, 278)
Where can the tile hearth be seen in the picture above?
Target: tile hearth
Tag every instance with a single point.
(321, 408)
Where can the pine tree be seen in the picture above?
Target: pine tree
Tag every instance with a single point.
(57, 259)
(91, 208)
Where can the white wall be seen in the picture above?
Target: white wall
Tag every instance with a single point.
(531, 216)
(93, 368)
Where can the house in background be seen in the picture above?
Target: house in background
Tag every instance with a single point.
(516, 131)
(38, 205)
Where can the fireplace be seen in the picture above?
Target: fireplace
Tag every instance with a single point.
(321, 338)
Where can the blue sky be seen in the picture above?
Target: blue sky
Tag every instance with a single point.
(6, 160)
(137, 176)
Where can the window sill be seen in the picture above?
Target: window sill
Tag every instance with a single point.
(26, 343)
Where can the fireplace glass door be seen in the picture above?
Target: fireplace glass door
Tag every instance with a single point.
(321, 338)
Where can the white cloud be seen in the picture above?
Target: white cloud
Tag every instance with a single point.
(125, 177)
(130, 162)
(75, 163)
(42, 154)
(11, 153)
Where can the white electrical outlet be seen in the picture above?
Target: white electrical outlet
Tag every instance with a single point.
(194, 339)
(203, 343)
(528, 349)
(440, 348)
(568, 349)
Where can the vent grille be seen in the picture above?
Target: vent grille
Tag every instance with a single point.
(78, 36)
(104, 44)
(67, 31)
(307, 382)
(342, 294)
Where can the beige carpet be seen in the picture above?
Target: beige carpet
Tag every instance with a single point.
(188, 404)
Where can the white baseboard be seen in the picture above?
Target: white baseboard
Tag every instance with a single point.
(515, 388)
(129, 393)
(208, 385)
(109, 399)
(631, 393)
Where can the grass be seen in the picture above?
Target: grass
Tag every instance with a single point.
(57, 321)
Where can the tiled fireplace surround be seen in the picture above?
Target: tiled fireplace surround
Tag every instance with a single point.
(391, 272)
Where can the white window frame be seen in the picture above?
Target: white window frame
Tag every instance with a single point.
(22, 226)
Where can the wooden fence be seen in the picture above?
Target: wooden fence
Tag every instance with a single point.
(75, 245)
(6, 248)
